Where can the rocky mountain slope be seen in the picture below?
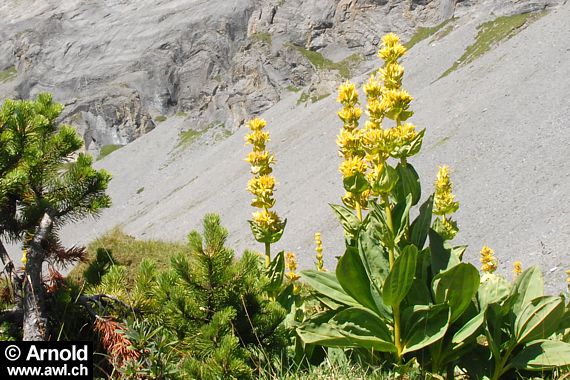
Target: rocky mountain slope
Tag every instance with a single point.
(499, 121)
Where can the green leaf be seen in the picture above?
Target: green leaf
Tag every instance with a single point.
(264, 236)
(425, 325)
(543, 355)
(539, 318)
(364, 329)
(442, 257)
(347, 219)
(327, 284)
(400, 278)
(420, 293)
(469, 331)
(527, 286)
(276, 271)
(409, 183)
(356, 183)
(401, 217)
(420, 226)
(456, 286)
(317, 330)
(353, 278)
(375, 260)
(493, 289)
(387, 181)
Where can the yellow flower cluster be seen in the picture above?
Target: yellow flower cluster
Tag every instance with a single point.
(320, 264)
(365, 151)
(24, 257)
(444, 200)
(444, 203)
(517, 268)
(391, 49)
(291, 263)
(488, 260)
(262, 185)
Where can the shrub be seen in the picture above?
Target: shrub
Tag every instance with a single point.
(207, 316)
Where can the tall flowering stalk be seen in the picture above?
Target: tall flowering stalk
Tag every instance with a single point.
(488, 260)
(320, 264)
(266, 225)
(445, 205)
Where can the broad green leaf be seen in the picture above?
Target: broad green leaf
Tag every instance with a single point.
(425, 325)
(401, 217)
(276, 271)
(375, 260)
(387, 181)
(493, 289)
(409, 183)
(364, 329)
(527, 286)
(347, 219)
(442, 257)
(469, 331)
(352, 277)
(356, 183)
(420, 226)
(539, 318)
(543, 355)
(318, 330)
(456, 286)
(400, 278)
(327, 284)
(458, 251)
(420, 293)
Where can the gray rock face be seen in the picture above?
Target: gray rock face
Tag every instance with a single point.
(116, 64)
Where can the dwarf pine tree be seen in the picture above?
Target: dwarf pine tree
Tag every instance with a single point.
(214, 308)
(43, 185)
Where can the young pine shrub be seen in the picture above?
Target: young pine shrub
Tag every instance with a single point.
(401, 292)
(208, 316)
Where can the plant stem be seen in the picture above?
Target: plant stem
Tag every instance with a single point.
(500, 369)
(388, 211)
(404, 161)
(391, 258)
(358, 211)
(267, 255)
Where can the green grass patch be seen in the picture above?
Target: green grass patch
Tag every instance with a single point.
(305, 97)
(116, 247)
(492, 33)
(181, 114)
(293, 88)
(188, 137)
(442, 33)
(264, 37)
(320, 62)
(160, 118)
(425, 32)
(8, 74)
(107, 150)
(140, 190)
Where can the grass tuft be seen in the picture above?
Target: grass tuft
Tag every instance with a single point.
(264, 37)
(8, 74)
(320, 62)
(425, 32)
(490, 34)
(116, 247)
(160, 118)
(107, 150)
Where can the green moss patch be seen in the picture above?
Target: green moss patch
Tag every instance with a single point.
(116, 247)
(320, 62)
(492, 33)
(8, 74)
(107, 150)
(425, 32)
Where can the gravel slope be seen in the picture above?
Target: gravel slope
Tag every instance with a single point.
(501, 123)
